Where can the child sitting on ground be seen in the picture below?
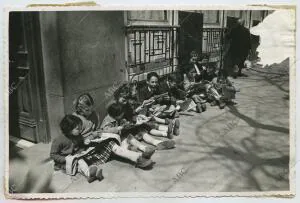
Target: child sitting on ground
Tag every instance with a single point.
(157, 101)
(106, 143)
(192, 76)
(226, 88)
(153, 102)
(146, 125)
(194, 91)
(133, 108)
(116, 121)
(209, 77)
(220, 90)
(71, 143)
(176, 94)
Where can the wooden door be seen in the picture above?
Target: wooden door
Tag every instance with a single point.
(190, 35)
(27, 102)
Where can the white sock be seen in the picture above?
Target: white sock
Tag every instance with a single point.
(83, 168)
(151, 140)
(125, 153)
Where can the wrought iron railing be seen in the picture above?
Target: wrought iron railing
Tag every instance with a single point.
(211, 43)
(151, 48)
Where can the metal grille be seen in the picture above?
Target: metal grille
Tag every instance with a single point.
(211, 43)
(151, 49)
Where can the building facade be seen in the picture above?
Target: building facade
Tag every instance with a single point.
(56, 56)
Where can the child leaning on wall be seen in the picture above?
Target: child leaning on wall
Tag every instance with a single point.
(92, 136)
(158, 102)
(105, 142)
(192, 80)
(70, 144)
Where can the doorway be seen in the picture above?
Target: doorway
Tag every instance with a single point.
(190, 35)
(27, 98)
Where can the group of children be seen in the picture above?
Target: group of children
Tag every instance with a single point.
(202, 84)
(134, 117)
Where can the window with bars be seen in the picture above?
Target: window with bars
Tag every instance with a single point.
(151, 43)
(151, 48)
(211, 43)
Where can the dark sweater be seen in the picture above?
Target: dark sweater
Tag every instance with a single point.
(62, 147)
(175, 93)
(146, 94)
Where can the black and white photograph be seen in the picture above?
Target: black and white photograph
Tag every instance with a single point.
(139, 101)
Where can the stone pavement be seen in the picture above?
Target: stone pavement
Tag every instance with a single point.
(240, 148)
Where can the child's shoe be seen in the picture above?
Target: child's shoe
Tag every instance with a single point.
(170, 130)
(176, 125)
(143, 162)
(198, 108)
(213, 103)
(222, 104)
(167, 144)
(99, 174)
(92, 173)
(148, 152)
(203, 107)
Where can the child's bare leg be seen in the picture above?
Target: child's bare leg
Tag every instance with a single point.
(125, 153)
(133, 141)
(159, 120)
(136, 157)
(160, 144)
(163, 128)
(90, 172)
(148, 151)
(158, 133)
(83, 168)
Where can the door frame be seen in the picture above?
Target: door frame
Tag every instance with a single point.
(31, 26)
(183, 54)
(36, 58)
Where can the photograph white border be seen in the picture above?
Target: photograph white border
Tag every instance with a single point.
(150, 194)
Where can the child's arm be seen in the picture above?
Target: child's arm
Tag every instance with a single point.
(109, 128)
(56, 148)
(92, 135)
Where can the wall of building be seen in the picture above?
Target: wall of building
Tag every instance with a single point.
(82, 52)
(52, 70)
(92, 49)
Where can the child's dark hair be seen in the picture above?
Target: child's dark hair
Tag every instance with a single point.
(114, 110)
(68, 123)
(194, 53)
(85, 98)
(123, 91)
(151, 74)
(172, 78)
